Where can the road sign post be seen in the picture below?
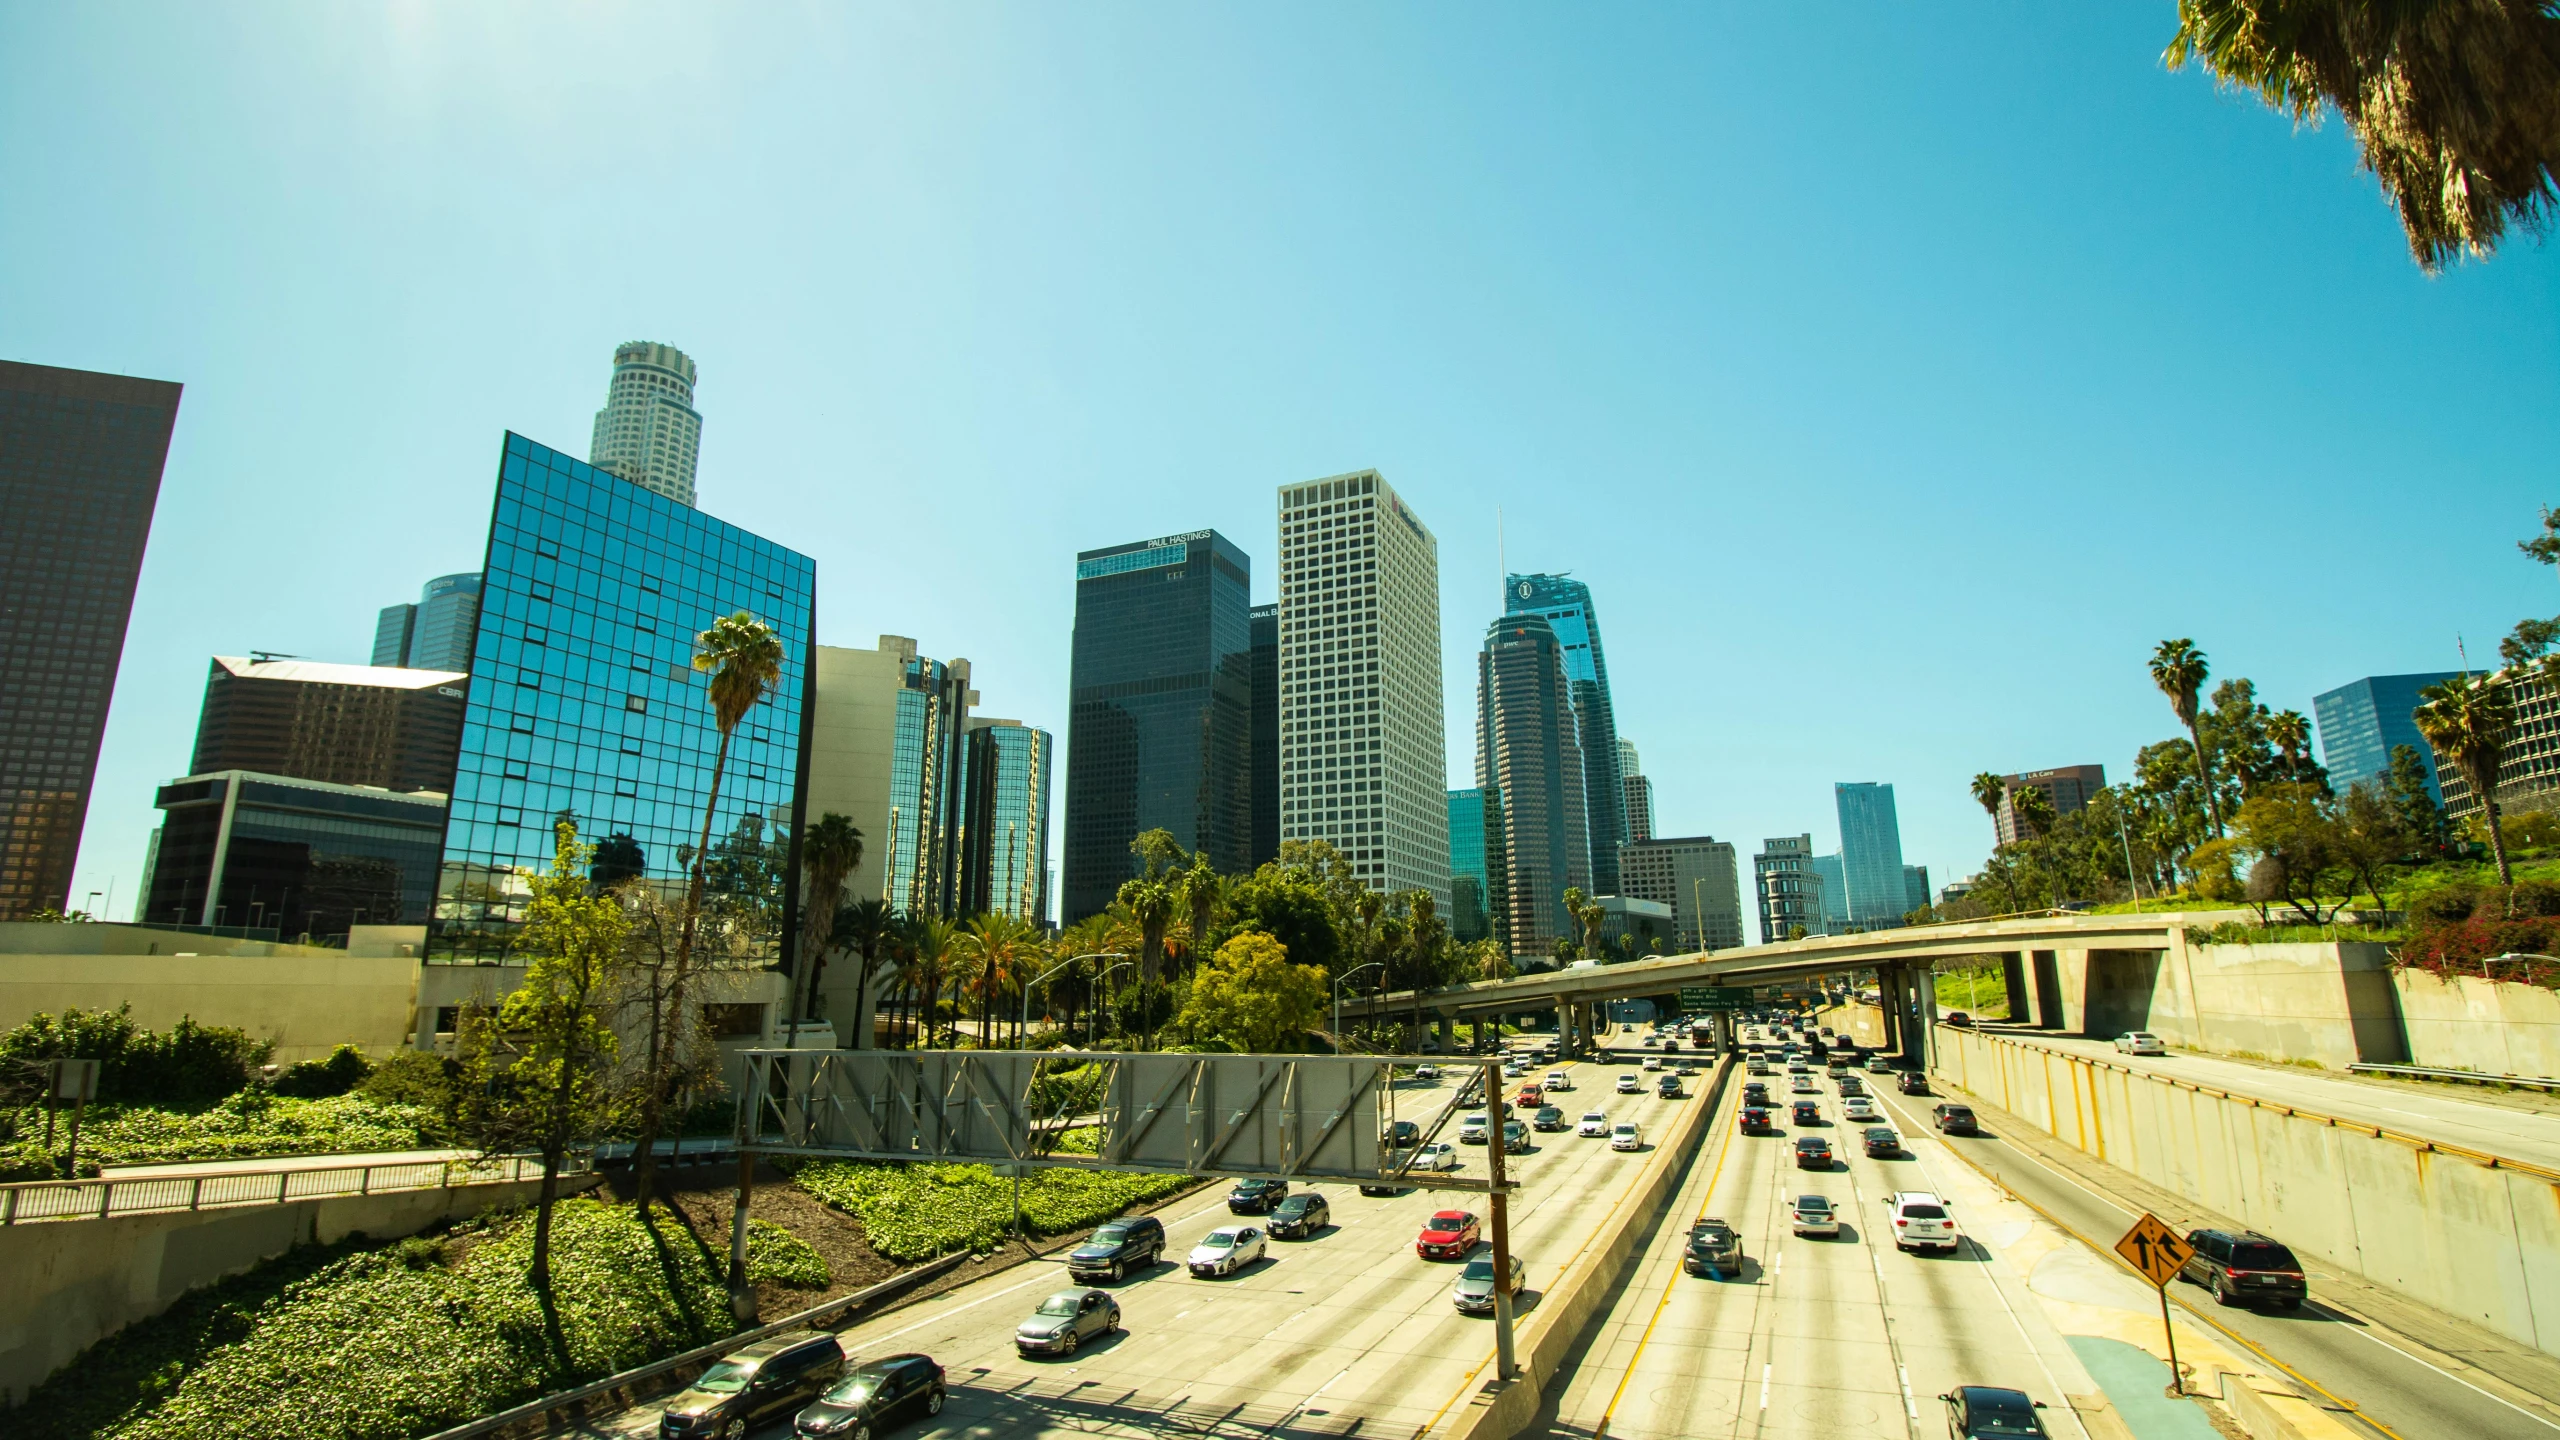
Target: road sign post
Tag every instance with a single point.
(1497, 1140)
(2155, 1251)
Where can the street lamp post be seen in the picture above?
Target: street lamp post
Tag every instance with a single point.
(1054, 969)
(1338, 983)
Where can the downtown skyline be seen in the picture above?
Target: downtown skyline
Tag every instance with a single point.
(1934, 388)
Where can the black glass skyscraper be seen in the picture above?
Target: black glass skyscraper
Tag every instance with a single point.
(1527, 756)
(584, 702)
(1160, 724)
(1266, 733)
(80, 458)
(1566, 604)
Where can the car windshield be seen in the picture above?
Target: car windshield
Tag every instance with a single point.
(1626, 1129)
(1448, 1220)
(1959, 1112)
(1596, 1118)
(853, 1389)
(1924, 1212)
(2262, 1256)
(1999, 1412)
(725, 1378)
(1110, 1234)
(1296, 1204)
(1217, 1240)
(1062, 1303)
(1477, 1269)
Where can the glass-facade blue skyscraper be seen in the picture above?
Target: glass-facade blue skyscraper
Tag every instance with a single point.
(1871, 855)
(1004, 828)
(1566, 605)
(1160, 720)
(2362, 720)
(1470, 915)
(928, 768)
(584, 704)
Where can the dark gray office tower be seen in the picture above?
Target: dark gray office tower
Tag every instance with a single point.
(387, 727)
(80, 460)
(1266, 733)
(1161, 712)
(1529, 756)
(1566, 605)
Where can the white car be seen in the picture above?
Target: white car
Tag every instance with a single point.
(1922, 1221)
(2140, 1042)
(1225, 1250)
(1474, 1128)
(1595, 1123)
(1558, 1080)
(1626, 1136)
(1426, 1072)
(1858, 1107)
(1630, 1085)
(1438, 1155)
(1651, 1040)
(1653, 1062)
(1813, 1215)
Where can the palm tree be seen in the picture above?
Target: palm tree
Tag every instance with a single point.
(1988, 791)
(1199, 888)
(2179, 669)
(744, 658)
(864, 927)
(831, 850)
(2467, 719)
(1150, 903)
(1005, 946)
(2450, 100)
(937, 947)
(2290, 733)
(2034, 811)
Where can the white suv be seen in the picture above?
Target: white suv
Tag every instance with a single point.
(1473, 1129)
(1921, 1221)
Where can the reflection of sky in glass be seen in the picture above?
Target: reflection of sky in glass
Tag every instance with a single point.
(1011, 762)
(584, 699)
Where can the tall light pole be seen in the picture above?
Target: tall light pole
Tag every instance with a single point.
(1338, 983)
(1054, 969)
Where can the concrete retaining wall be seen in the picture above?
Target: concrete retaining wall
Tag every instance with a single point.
(2496, 1027)
(67, 1284)
(2457, 1234)
(1580, 1293)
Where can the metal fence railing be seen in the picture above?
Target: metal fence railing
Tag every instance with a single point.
(228, 1189)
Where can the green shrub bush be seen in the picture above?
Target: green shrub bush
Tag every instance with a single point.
(343, 1070)
(917, 1211)
(188, 1066)
(385, 1342)
(250, 1125)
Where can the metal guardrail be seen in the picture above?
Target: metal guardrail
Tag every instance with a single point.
(2476, 1077)
(38, 1200)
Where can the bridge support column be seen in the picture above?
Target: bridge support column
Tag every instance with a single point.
(2048, 978)
(1448, 1032)
(1889, 1004)
(2013, 979)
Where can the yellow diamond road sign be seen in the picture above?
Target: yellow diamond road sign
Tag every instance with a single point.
(2154, 1249)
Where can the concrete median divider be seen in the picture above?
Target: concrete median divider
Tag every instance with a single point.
(1500, 1409)
(2469, 1234)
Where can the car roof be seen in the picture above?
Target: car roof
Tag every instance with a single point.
(773, 1345)
(1915, 1197)
(1999, 1395)
(1439, 1215)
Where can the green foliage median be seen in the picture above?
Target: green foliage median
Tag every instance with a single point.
(385, 1342)
(917, 1211)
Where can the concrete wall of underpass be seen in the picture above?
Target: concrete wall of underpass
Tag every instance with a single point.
(2465, 1022)
(2455, 1232)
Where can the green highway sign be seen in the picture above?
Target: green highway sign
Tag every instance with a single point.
(1714, 997)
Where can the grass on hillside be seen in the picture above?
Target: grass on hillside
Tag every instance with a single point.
(916, 1211)
(389, 1341)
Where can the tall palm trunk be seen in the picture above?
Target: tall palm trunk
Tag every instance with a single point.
(2204, 774)
(653, 1110)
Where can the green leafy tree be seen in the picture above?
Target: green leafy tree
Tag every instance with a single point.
(2467, 720)
(2369, 835)
(2412, 796)
(2294, 835)
(743, 656)
(1291, 904)
(1253, 998)
(2179, 669)
(540, 1066)
(2451, 101)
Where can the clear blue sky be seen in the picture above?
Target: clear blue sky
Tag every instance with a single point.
(1896, 378)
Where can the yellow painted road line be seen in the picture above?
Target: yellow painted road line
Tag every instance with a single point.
(1723, 1152)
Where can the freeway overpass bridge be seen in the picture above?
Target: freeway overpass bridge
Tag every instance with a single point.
(2053, 966)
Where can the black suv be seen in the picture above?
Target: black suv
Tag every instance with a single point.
(1954, 1119)
(875, 1395)
(1117, 1249)
(747, 1387)
(1912, 1082)
(1989, 1412)
(1714, 1249)
(1300, 1216)
(1256, 1197)
(2243, 1267)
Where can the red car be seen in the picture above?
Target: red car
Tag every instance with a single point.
(1448, 1235)
(1531, 1097)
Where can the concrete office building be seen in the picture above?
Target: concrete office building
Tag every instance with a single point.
(1004, 829)
(394, 729)
(1160, 721)
(436, 632)
(291, 857)
(1789, 888)
(1363, 763)
(1265, 624)
(2069, 787)
(80, 462)
(1528, 752)
(1871, 855)
(648, 431)
(1637, 792)
(1631, 927)
(2528, 760)
(1699, 877)
(2362, 721)
(583, 700)
(1565, 604)
(1470, 915)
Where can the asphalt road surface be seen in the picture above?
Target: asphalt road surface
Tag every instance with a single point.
(1346, 1333)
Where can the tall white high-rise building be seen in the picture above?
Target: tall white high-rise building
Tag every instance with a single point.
(1363, 761)
(648, 431)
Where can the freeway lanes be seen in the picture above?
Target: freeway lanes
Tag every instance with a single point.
(1817, 1337)
(1348, 1331)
